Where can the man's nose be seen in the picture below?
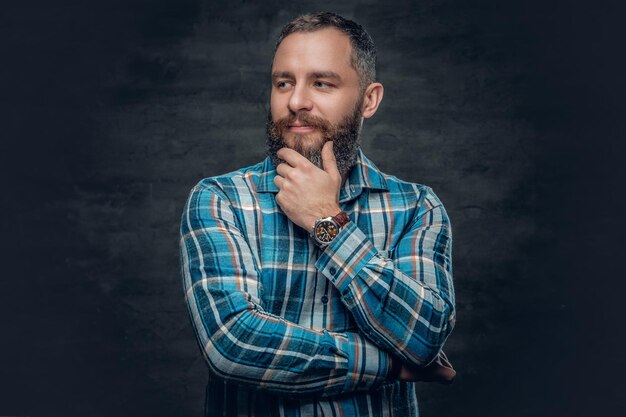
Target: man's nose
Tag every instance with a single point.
(300, 99)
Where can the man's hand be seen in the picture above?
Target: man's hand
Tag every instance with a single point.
(440, 370)
(307, 193)
(410, 374)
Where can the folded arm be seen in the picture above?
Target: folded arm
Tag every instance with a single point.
(405, 305)
(240, 340)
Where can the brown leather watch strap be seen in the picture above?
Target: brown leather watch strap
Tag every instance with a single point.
(341, 218)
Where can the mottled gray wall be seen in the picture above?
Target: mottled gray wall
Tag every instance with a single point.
(111, 110)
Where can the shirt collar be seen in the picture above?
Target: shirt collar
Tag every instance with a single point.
(364, 174)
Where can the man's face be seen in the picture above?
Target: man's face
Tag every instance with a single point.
(316, 97)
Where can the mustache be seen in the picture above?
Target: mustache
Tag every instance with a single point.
(305, 119)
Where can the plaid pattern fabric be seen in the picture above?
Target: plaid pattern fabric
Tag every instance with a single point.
(289, 329)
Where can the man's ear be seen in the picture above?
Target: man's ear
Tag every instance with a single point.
(372, 97)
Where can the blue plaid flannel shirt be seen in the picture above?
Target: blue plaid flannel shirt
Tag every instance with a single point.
(288, 329)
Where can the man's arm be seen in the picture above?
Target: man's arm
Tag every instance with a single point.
(405, 305)
(240, 340)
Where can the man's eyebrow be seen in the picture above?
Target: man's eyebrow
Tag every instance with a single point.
(325, 74)
(314, 74)
(281, 74)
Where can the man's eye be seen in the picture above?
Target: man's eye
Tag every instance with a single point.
(322, 84)
(282, 84)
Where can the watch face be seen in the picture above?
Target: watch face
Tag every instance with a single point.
(325, 231)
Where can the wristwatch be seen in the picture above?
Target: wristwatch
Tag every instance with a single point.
(327, 228)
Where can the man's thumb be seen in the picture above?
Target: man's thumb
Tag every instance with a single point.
(328, 159)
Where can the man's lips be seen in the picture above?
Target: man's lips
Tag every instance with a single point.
(298, 127)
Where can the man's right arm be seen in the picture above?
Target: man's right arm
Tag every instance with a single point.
(242, 342)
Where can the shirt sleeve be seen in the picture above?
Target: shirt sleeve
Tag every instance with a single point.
(242, 342)
(405, 304)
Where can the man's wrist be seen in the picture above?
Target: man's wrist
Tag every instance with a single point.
(325, 213)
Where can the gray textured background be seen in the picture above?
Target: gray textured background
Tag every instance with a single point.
(512, 111)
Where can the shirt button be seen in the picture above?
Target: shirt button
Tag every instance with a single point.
(332, 271)
(324, 299)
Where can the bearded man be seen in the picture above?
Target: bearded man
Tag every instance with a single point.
(317, 285)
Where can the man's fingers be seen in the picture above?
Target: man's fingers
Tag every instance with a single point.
(291, 157)
(284, 169)
(328, 159)
(278, 181)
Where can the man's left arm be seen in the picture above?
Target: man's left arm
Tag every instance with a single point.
(405, 305)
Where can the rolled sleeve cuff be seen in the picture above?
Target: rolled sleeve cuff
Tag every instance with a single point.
(368, 366)
(346, 256)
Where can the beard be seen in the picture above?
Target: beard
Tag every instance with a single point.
(345, 136)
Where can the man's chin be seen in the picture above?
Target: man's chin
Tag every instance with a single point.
(304, 144)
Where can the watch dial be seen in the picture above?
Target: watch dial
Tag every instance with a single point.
(325, 231)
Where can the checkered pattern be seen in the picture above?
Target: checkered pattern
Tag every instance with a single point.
(290, 329)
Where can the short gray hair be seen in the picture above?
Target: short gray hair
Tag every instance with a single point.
(363, 57)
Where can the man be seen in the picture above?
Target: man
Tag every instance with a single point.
(317, 285)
